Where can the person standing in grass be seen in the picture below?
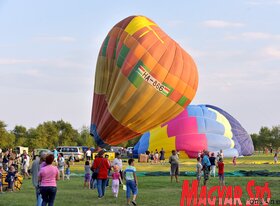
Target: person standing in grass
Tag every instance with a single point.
(10, 178)
(162, 157)
(87, 175)
(25, 163)
(174, 168)
(116, 179)
(206, 166)
(275, 158)
(234, 161)
(102, 165)
(221, 172)
(1, 172)
(131, 182)
(60, 164)
(212, 160)
(198, 169)
(67, 170)
(47, 177)
(118, 161)
(35, 168)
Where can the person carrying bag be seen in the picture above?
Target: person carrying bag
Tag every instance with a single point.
(95, 171)
(100, 172)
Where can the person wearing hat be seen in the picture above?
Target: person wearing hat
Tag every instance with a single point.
(102, 165)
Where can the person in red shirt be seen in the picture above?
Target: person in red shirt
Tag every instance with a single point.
(221, 172)
(102, 165)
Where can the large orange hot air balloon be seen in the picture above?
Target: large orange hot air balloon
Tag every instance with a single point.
(143, 78)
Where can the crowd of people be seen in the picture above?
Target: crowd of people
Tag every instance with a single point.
(155, 156)
(48, 168)
(206, 165)
(103, 170)
(13, 167)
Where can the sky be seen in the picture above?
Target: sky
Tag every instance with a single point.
(48, 53)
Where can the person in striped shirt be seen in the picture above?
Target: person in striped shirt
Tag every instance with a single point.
(131, 182)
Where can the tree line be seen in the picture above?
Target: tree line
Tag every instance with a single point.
(267, 138)
(51, 134)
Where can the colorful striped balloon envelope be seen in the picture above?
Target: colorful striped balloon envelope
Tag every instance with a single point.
(198, 128)
(143, 78)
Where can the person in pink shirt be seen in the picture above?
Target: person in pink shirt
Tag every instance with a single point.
(116, 181)
(48, 176)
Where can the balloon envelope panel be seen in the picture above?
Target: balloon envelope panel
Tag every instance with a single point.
(143, 78)
(198, 128)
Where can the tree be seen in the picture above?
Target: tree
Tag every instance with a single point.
(265, 136)
(85, 139)
(7, 139)
(275, 136)
(67, 135)
(256, 141)
(20, 133)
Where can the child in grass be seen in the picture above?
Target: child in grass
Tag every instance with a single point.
(10, 178)
(234, 161)
(116, 181)
(131, 182)
(275, 158)
(87, 175)
(67, 171)
(221, 172)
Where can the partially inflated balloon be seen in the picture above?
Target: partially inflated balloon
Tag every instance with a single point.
(198, 128)
(143, 78)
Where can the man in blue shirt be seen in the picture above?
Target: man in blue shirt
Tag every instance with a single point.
(206, 166)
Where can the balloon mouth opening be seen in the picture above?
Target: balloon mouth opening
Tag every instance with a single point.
(98, 140)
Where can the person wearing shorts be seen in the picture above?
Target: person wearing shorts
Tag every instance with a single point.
(131, 182)
(221, 172)
(174, 165)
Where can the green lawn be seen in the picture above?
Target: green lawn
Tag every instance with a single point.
(152, 190)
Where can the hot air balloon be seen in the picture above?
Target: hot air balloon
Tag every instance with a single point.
(143, 78)
(198, 128)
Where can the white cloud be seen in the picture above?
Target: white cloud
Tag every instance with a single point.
(55, 63)
(221, 24)
(64, 39)
(256, 35)
(263, 2)
(14, 61)
(175, 23)
(253, 36)
(32, 72)
(272, 52)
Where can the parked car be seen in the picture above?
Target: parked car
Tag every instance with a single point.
(67, 151)
(116, 149)
(38, 151)
(20, 149)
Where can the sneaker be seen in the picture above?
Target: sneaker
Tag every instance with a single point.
(133, 202)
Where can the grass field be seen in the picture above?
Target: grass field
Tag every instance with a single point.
(153, 190)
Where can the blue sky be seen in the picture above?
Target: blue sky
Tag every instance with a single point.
(48, 52)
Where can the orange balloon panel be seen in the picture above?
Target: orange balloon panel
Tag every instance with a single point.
(143, 78)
